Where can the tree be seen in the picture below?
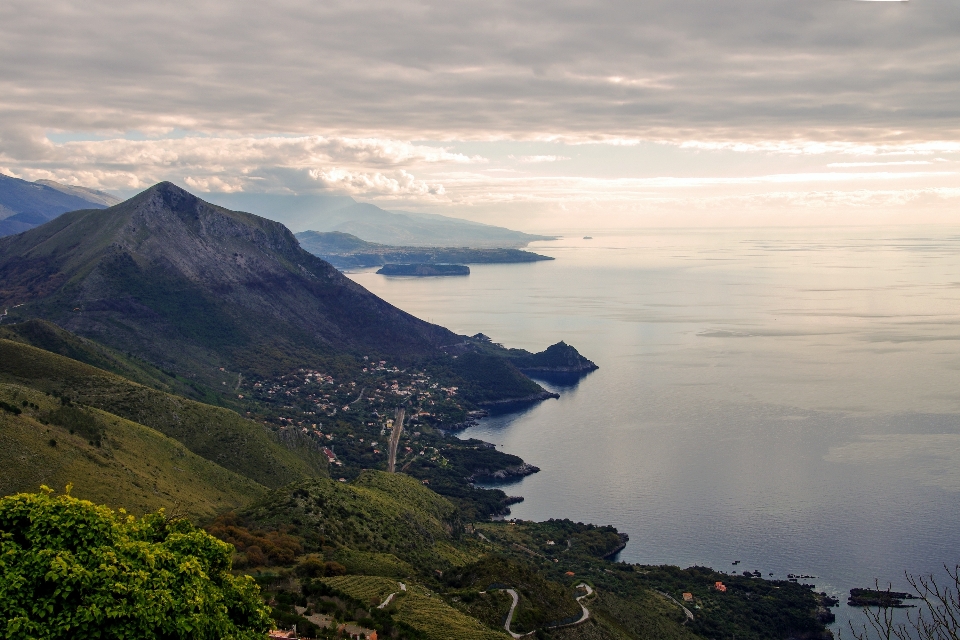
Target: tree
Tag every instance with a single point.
(69, 568)
(937, 617)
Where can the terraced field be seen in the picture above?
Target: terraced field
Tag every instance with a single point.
(429, 614)
(364, 588)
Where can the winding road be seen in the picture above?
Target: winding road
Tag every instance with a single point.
(516, 601)
(390, 597)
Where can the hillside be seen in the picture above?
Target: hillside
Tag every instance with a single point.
(192, 287)
(346, 251)
(213, 433)
(108, 459)
(25, 205)
(387, 553)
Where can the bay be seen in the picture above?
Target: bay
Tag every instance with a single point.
(789, 398)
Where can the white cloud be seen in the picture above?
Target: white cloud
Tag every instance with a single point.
(900, 163)
(813, 147)
(538, 159)
(374, 184)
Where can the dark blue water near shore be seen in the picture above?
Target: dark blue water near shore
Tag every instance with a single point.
(790, 399)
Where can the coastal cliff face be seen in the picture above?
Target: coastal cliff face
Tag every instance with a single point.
(558, 358)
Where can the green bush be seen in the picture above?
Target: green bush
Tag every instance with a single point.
(69, 568)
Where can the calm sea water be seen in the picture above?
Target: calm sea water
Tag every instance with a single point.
(787, 398)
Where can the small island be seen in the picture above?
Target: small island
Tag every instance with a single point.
(422, 270)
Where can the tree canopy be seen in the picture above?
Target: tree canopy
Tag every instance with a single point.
(69, 568)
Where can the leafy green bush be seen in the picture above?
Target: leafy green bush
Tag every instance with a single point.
(69, 568)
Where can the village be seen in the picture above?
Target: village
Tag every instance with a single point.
(349, 420)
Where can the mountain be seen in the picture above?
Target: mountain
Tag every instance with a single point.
(108, 459)
(90, 195)
(192, 287)
(25, 205)
(373, 224)
(346, 251)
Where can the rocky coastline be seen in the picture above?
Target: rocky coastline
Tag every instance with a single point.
(534, 397)
(507, 474)
(624, 539)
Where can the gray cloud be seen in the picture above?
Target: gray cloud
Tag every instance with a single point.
(663, 69)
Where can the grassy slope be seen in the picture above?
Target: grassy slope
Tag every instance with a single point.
(429, 614)
(134, 467)
(213, 433)
(380, 512)
(49, 337)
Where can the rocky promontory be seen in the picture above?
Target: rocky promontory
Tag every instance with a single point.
(557, 358)
(506, 474)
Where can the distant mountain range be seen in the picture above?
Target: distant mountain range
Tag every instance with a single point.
(373, 224)
(25, 205)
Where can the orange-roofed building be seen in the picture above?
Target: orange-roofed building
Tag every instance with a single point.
(720, 586)
(688, 597)
(569, 573)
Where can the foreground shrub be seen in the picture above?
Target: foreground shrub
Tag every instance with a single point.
(69, 568)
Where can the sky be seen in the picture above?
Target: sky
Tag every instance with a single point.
(536, 115)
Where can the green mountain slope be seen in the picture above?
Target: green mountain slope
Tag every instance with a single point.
(49, 337)
(192, 287)
(108, 459)
(217, 434)
(379, 512)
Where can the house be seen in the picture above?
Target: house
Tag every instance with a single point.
(688, 597)
(719, 586)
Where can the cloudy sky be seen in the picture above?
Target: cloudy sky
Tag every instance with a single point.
(538, 115)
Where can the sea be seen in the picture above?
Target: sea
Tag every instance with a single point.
(785, 398)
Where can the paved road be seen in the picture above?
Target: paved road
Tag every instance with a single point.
(506, 625)
(390, 597)
(359, 397)
(678, 603)
(395, 439)
(516, 600)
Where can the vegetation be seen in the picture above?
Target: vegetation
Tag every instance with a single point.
(379, 512)
(217, 434)
(370, 589)
(109, 460)
(488, 378)
(437, 620)
(70, 568)
(542, 603)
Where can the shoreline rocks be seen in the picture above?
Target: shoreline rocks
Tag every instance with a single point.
(505, 475)
(535, 397)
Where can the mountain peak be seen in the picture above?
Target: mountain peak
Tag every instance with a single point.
(195, 283)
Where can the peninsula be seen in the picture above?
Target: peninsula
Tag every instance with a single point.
(346, 251)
